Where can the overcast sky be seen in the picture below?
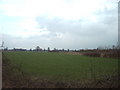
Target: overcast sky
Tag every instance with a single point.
(72, 24)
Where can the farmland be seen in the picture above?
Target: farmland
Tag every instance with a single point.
(63, 67)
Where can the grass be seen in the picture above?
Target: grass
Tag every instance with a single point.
(60, 66)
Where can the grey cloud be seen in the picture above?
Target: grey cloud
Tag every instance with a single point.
(105, 24)
(84, 32)
(30, 42)
(76, 34)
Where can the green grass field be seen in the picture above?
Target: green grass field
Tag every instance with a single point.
(60, 66)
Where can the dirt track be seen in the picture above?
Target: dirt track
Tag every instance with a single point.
(74, 53)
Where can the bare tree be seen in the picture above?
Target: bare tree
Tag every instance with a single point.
(38, 48)
(2, 46)
(48, 48)
(68, 50)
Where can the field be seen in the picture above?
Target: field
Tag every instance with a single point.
(63, 67)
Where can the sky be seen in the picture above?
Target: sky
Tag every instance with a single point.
(73, 24)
